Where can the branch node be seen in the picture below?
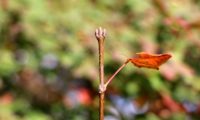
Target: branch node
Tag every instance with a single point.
(102, 88)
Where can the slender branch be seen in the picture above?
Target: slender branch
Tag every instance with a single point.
(101, 106)
(100, 36)
(118, 70)
(101, 61)
(101, 77)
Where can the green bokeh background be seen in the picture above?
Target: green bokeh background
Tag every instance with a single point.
(63, 31)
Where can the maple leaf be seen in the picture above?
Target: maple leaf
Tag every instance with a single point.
(147, 60)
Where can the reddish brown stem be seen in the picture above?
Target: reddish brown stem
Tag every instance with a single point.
(101, 106)
(101, 61)
(118, 70)
(101, 76)
(100, 35)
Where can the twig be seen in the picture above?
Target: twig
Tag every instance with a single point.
(100, 36)
(118, 70)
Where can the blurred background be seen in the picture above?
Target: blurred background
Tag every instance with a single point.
(49, 59)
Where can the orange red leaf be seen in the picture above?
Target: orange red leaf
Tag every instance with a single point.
(147, 60)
